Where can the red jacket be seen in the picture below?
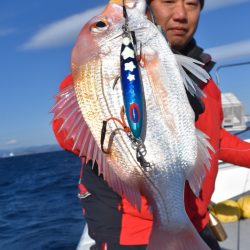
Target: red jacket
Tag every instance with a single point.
(136, 226)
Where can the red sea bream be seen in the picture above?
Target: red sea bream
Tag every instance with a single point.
(172, 149)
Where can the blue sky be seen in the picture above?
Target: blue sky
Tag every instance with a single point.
(36, 38)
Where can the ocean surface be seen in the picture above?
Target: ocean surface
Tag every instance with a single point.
(39, 207)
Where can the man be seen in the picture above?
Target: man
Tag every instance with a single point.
(113, 222)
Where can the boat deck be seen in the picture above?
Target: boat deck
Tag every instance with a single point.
(238, 235)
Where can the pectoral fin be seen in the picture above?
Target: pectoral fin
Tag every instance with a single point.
(76, 129)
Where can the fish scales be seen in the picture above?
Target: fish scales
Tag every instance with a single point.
(185, 137)
(169, 133)
(103, 100)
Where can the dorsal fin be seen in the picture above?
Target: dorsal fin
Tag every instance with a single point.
(194, 67)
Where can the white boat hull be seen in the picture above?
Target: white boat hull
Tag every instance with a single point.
(85, 242)
(231, 181)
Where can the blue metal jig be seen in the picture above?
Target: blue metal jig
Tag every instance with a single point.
(131, 82)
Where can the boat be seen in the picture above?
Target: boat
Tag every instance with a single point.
(234, 118)
(85, 242)
(231, 183)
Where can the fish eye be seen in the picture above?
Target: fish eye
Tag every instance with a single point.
(99, 26)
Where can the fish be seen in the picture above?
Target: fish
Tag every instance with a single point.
(153, 150)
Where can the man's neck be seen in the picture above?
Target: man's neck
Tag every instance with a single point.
(191, 50)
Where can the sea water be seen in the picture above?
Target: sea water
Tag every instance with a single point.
(39, 207)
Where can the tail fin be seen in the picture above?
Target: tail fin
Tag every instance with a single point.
(179, 239)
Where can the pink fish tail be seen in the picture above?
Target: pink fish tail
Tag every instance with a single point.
(183, 239)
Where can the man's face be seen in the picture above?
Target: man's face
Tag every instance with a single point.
(178, 18)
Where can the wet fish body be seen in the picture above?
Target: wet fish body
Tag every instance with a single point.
(176, 151)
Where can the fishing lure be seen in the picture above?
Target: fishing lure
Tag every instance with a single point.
(132, 91)
(131, 82)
